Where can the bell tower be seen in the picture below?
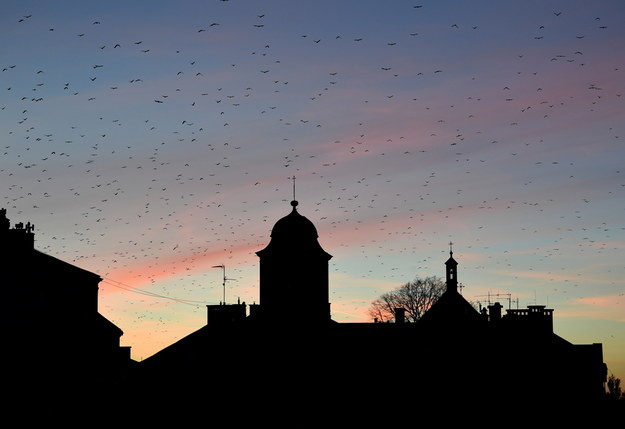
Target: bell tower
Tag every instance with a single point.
(294, 273)
(451, 271)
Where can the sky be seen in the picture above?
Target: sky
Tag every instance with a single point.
(150, 141)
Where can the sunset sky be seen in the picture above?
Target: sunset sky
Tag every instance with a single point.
(149, 141)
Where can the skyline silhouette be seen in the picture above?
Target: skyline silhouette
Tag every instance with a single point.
(289, 339)
(150, 143)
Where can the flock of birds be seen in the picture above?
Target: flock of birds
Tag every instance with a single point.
(148, 162)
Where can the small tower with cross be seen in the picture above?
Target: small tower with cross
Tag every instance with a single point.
(451, 271)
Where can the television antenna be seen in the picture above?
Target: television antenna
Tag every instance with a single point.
(223, 267)
(498, 295)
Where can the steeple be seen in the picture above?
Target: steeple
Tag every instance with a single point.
(451, 271)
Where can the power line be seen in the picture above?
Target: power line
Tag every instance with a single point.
(123, 286)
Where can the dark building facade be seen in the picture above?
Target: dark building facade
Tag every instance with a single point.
(53, 333)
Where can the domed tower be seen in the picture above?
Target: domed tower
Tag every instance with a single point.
(294, 273)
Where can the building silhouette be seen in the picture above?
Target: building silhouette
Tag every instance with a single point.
(54, 337)
(285, 351)
(289, 345)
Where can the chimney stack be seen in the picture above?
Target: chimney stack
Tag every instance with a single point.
(19, 238)
(494, 312)
(400, 315)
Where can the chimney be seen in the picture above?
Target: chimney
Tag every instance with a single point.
(19, 238)
(5, 224)
(225, 314)
(400, 315)
(494, 312)
(255, 310)
(541, 318)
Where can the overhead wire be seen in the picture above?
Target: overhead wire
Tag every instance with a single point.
(136, 290)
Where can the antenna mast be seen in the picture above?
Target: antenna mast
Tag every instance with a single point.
(498, 295)
(223, 267)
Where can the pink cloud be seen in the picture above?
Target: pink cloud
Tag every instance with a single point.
(609, 307)
(149, 271)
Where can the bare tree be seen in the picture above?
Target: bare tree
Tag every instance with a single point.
(416, 297)
(614, 388)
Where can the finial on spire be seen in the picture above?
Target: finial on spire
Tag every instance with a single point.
(450, 249)
(294, 201)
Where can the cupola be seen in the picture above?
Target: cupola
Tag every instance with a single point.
(294, 272)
